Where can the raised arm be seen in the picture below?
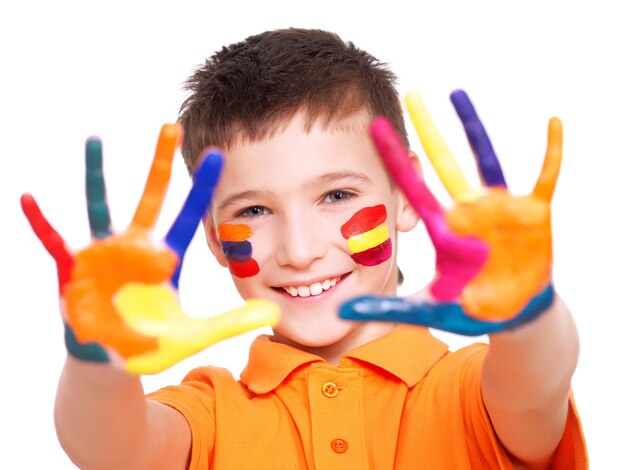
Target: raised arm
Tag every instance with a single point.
(494, 266)
(121, 316)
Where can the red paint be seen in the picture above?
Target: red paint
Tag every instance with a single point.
(364, 220)
(375, 255)
(50, 238)
(246, 268)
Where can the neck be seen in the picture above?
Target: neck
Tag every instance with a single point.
(332, 353)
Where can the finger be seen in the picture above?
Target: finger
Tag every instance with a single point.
(97, 207)
(438, 152)
(49, 237)
(442, 316)
(544, 188)
(91, 351)
(196, 206)
(158, 178)
(488, 164)
(447, 317)
(191, 335)
(396, 159)
(256, 313)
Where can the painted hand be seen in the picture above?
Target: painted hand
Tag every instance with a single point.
(119, 294)
(493, 249)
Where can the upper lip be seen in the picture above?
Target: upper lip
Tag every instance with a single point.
(308, 282)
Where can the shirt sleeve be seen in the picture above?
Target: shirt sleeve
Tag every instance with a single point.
(194, 398)
(571, 453)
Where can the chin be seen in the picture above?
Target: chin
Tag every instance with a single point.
(314, 333)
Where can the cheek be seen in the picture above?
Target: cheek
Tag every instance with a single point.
(238, 249)
(367, 234)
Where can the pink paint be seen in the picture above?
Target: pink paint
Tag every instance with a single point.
(459, 259)
(375, 255)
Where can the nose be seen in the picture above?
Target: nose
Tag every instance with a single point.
(302, 242)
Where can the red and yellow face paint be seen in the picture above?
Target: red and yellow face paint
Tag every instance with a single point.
(368, 236)
(237, 249)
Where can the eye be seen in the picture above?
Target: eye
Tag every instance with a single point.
(338, 196)
(254, 211)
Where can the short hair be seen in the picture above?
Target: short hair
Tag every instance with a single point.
(249, 89)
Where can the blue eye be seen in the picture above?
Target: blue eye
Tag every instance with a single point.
(338, 196)
(254, 211)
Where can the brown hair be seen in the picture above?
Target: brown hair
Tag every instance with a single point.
(248, 89)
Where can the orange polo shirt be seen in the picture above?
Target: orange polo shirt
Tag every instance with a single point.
(402, 401)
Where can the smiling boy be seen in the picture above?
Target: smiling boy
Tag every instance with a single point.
(306, 216)
(296, 192)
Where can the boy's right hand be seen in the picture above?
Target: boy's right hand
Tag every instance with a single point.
(119, 294)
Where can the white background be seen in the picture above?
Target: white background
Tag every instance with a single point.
(114, 69)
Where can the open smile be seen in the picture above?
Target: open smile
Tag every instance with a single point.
(314, 289)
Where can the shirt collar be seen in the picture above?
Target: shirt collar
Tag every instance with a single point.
(407, 352)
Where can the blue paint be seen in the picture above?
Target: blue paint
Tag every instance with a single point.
(97, 207)
(195, 207)
(237, 251)
(442, 316)
(91, 352)
(487, 160)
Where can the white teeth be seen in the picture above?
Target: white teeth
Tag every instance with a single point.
(314, 289)
(303, 291)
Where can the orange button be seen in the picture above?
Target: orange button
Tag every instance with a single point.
(339, 445)
(330, 390)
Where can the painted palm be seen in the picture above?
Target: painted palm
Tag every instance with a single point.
(493, 249)
(119, 294)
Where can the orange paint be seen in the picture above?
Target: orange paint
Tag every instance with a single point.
(158, 179)
(99, 272)
(518, 233)
(233, 232)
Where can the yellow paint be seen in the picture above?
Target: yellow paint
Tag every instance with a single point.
(99, 272)
(369, 239)
(438, 152)
(154, 311)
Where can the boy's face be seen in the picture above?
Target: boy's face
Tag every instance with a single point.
(295, 192)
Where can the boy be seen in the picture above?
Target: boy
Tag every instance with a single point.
(303, 200)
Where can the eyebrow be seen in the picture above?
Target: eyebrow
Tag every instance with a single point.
(343, 176)
(242, 196)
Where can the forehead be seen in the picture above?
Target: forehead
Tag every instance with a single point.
(296, 153)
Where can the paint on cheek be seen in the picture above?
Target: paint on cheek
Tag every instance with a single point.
(368, 236)
(238, 251)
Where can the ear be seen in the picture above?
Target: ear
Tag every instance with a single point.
(406, 217)
(210, 232)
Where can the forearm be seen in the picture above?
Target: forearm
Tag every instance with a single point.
(526, 380)
(104, 421)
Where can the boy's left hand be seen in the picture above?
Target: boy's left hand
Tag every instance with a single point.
(493, 249)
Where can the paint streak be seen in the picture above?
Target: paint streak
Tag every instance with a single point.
(238, 251)
(364, 220)
(233, 232)
(368, 236)
(374, 256)
(242, 269)
(370, 239)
